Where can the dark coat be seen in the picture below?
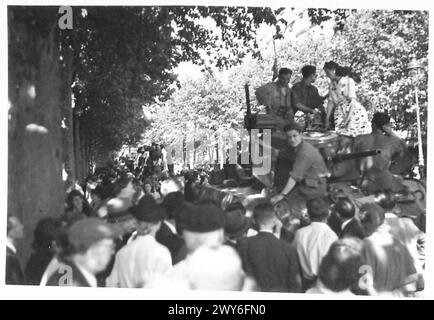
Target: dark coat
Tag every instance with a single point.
(14, 273)
(353, 229)
(271, 261)
(36, 266)
(171, 240)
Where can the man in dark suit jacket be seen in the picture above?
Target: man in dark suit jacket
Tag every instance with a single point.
(271, 261)
(350, 226)
(15, 232)
(173, 203)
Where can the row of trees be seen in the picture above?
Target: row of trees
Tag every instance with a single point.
(379, 45)
(77, 93)
(79, 76)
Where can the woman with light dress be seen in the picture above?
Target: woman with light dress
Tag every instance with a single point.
(349, 116)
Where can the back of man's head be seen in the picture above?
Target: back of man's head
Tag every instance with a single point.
(318, 209)
(380, 119)
(345, 208)
(371, 217)
(339, 269)
(202, 225)
(264, 214)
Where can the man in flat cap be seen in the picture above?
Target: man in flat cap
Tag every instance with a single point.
(92, 245)
(143, 259)
(237, 224)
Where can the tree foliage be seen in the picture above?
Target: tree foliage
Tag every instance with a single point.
(124, 58)
(380, 45)
(377, 44)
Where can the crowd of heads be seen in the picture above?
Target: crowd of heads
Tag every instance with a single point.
(210, 234)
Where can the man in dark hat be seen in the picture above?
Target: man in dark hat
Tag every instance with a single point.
(202, 225)
(272, 262)
(143, 259)
(236, 223)
(92, 246)
(375, 169)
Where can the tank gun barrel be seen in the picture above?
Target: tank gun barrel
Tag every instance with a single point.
(354, 155)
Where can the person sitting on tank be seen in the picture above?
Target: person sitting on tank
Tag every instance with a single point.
(308, 175)
(306, 98)
(374, 170)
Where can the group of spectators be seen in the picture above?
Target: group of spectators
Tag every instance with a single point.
(126, 237)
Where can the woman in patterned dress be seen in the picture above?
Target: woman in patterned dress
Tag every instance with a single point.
(350, 117)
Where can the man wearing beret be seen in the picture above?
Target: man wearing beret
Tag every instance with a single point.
(202, 226)
(143, 259)
(92, 246)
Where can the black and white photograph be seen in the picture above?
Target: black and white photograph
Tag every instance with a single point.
(278, 149)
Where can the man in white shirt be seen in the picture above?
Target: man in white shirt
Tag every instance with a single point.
(313, 241)
(405, 230)
(143, 259)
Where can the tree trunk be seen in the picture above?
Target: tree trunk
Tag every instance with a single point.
(35, 186)
(67, 130)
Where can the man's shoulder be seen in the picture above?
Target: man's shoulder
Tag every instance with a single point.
(307, 147)
(67, 275)
(303, 231)
(297, 85)
(363, 140)
(268, 85)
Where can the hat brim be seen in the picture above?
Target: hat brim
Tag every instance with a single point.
(245, 226)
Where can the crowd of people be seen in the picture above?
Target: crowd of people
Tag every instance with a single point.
(139, 224)
(199, 244)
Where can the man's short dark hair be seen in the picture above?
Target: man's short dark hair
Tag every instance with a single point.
(318, 209)
(263, 213)
(293, 126)
(371, 217)
(284, 71)
(308, 70)
(380, 119)
(386, 199)
(345, 208)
